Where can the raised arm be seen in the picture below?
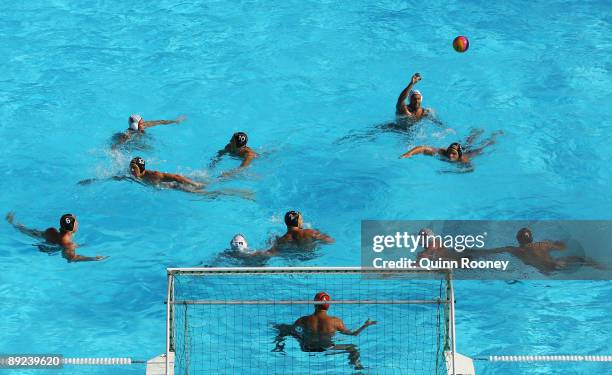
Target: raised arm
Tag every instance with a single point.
(427, 150)
(148, 124)
(342, 329)
(400, 107)
(10, 218)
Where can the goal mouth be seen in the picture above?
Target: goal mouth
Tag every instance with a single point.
(230, 320)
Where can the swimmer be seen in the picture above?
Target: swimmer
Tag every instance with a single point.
(62, 237)
(237, 147)
(298, 237)
(239, 244)
(176, 181)
(413, 110)
(455, 152)
(537, 254)
(137, 126)
(315, 332)
(239, 251)
(138, 170)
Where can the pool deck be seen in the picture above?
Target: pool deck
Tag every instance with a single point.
(463, 365)
(157, 365)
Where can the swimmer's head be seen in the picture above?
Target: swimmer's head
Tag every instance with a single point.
(134, 121)
(137, 166)
(415, 98)
(293, 219)
(68, 223)
(524, 236)
(239, 139)
(322, 296)
(454, 151)
(239, 243)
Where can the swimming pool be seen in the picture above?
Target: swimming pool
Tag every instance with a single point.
(297, 77)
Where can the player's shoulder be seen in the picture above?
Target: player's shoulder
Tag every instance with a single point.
(156, 173)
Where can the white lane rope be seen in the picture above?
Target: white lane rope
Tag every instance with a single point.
(546, 358)
(100, 361)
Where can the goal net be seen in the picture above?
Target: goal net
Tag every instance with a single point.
(241, 321)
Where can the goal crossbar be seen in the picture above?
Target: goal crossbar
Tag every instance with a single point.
(268, 270)
(309, 302)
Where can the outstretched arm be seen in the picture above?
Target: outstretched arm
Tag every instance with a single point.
(248, 158)
(322, 237)
(432, 117)
(148, 124)
(400, 107)
(171, 177)
(114, 178)
(217, 157)
(474, 134)
(548, 245)
(70, 255)
(485, 252)
(427, 150)
(284, 330)
(240, 193)
(10, 217)
(119, 139)
(342, 329)
(485, 144)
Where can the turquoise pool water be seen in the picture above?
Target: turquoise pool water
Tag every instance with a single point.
(297, 77)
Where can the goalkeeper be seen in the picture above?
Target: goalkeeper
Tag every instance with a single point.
(315, 332)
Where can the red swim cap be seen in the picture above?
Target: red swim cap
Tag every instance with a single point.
(322, 296)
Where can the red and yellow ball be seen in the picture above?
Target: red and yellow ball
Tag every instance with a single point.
(461, 43)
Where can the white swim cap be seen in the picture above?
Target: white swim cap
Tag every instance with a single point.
(133, 121)
(413, 92)
(239, 243)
